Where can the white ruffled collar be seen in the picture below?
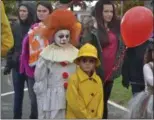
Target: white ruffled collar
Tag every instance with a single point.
(55, 53)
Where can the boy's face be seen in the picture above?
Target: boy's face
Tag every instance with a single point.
(87, 64)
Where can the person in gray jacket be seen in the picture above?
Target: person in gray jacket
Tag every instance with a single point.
(26, 17)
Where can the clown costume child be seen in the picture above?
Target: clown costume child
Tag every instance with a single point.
(56, 64)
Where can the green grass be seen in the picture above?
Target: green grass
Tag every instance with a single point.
(119, 94)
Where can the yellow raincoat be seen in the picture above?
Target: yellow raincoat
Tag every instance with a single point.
(7, 41)
(84, 96)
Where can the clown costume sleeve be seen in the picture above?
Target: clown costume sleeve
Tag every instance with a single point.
(40, 77)
(40, 86)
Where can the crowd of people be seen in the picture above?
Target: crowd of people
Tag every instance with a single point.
(68, 64)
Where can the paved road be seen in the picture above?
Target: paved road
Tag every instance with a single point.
(7, 101)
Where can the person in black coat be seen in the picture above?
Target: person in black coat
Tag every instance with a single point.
(26, 15)
(132, 68)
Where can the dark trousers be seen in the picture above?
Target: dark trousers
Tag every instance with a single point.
(18, 83)
(107, 92)
(137, 88)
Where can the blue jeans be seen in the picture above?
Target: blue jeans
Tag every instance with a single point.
(18, 83)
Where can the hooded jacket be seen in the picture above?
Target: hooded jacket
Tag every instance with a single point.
(20, 29)
(132, 68)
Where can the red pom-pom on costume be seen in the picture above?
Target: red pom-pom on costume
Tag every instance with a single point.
(65, 75)
(65, 85)
(63, 64)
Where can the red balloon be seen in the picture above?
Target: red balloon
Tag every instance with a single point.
(136, 26)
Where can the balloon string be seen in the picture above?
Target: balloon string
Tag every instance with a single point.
(117, 65)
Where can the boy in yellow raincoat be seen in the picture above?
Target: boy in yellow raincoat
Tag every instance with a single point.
(85, 90)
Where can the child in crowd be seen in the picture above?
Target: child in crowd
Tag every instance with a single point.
(32, 44)
(85, 90)
(56, 64)
(142, 106)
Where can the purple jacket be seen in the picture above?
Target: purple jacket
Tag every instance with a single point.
(24, 57)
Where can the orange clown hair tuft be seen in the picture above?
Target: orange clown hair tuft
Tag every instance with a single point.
(58, 20)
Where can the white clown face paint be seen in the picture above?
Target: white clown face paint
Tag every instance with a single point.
(62, 37)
